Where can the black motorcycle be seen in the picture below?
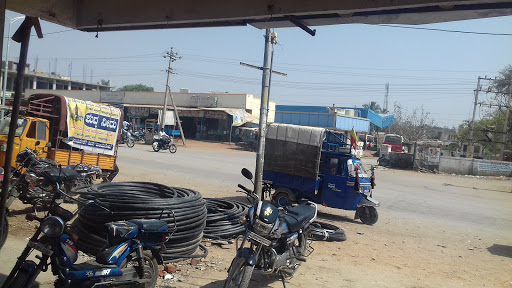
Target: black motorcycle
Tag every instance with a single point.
(164, 143)
(127, 138)
(276, 240)
(32, 189)
(139, 136)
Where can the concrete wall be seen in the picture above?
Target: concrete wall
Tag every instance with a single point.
(464, 166)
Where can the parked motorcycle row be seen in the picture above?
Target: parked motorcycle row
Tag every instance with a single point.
(29, 186)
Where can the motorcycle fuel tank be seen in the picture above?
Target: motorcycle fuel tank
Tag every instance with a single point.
(68, 250)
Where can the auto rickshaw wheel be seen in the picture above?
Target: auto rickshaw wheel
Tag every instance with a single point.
(368, 215)
(281, 199)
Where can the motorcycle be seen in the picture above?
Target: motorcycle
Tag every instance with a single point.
(127, 138)
(277, 239)
(139, 136)
(32, 189)
(131, 260)
(86, 174)
(165, 143)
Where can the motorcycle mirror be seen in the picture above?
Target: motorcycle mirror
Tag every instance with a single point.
(48, 145)
(246, 173)
(38, 142)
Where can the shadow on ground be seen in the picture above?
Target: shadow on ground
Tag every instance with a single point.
(501, 250)
(258, 279)
(333, 217)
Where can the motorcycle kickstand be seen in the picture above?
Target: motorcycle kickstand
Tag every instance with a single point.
(283, 279)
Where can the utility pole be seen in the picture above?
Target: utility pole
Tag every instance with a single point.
(386, 94)
(260, 156)
(505, 124)
(471, 147)
(172, 57)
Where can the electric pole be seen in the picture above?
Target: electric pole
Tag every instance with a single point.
(260, 156)
(172, 57)
(505, 124)
(386, 94)
(471, 148)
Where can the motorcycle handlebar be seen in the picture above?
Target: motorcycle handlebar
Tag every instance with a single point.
(244, 188)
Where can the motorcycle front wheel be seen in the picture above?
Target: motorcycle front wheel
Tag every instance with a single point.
(150, 268)
(239, 274)
(130, 142)
(173, 148)
(156, 147)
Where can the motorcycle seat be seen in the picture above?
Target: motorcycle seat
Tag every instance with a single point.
(298, 216)
(121, 231)
(150, 225)
(62, 175)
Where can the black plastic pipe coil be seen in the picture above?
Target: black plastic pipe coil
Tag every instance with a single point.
(322, 231)
(183, 209)
(223, 219)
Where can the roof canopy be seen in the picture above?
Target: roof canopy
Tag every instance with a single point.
(109, 15)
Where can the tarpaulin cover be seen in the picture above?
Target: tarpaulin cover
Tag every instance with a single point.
(293, 150)
(92, 127)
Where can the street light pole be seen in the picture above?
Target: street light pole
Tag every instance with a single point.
(4, 88)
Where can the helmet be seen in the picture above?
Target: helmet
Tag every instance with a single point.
(25, 158)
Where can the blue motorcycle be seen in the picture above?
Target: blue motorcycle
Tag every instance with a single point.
(131, 260)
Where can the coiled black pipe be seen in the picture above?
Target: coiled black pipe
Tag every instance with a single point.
(322, 231)
(183, 209)
(223, 219)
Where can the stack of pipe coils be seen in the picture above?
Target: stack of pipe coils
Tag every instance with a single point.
(183, 209)
(223, 219)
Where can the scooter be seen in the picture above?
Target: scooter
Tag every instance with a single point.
(168, 143)
(131, 260)
(277, 239)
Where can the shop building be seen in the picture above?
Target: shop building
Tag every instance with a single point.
(208, 116)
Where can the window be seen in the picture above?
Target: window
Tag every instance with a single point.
(31, 132)
(41, 131)
(333, 166)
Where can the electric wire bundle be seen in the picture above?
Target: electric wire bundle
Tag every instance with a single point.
(223, 219)
(183, 209)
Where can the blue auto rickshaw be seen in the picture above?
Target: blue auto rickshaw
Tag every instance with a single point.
(317, 164)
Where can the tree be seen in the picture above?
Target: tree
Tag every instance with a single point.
(501, 85)
(374, 106)
(104, 82)
(136, 87)
(414, 126)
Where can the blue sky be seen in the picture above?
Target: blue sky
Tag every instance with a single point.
(346, 65)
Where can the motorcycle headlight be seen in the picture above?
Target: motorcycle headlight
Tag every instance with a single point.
(52, 226)
(31, 178)
(262, 228)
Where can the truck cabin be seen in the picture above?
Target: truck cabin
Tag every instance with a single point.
(29, 132)
(395, 142)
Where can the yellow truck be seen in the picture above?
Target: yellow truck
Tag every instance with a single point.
(71, 131)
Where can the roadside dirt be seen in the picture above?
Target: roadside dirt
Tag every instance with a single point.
(398, 251)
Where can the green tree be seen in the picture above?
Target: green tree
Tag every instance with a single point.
(136, 87)
(374, 106)
(104, 82)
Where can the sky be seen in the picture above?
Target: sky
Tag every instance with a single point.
(345, 65)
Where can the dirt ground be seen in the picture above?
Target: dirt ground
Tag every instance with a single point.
(458, 232)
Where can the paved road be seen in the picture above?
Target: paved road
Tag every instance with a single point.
(479, 203)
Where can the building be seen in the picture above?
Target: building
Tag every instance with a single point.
(339, 118)
(41, 80)
(212, 115)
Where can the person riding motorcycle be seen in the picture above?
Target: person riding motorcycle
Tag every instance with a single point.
(163, 138)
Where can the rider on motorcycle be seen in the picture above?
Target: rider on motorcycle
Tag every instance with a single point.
(163, 137)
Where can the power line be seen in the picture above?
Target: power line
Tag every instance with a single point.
(443, 30)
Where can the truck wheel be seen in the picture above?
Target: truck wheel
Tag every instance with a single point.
(281, 199)
(368, 215)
